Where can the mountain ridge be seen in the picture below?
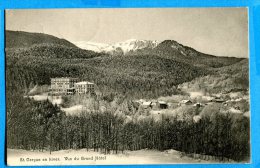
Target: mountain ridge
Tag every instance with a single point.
(119, 47)
(22, 39)
(141, 72)
(143, 44)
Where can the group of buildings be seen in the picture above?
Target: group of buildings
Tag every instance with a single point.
(164, 105)
(70, 86)
(152, 104)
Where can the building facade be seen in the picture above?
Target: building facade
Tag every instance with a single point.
(63, 86)
(84, 87)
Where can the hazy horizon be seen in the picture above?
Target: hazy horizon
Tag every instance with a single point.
(216, 31)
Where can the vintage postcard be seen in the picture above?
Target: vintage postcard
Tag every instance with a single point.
(127, 86)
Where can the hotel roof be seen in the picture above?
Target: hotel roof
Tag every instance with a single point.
(64, 78)
(84, 83)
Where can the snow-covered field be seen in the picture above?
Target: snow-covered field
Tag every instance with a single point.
(84, 157)
(74, 110)
(41, 97)
(194, 95)
(44, 96)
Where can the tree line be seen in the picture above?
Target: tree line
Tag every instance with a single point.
(42, 126)
(139, 76)
(35, 125)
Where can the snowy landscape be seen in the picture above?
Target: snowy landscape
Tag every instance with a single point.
(76, 101)
(84, 157)
(119, 48)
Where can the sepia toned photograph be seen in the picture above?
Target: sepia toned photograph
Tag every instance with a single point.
(127, 86)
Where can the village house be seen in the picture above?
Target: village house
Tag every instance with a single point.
(218, 100)
(154, 104)
(198, 105)
(185, 102)
(162, 105)
(147, 104)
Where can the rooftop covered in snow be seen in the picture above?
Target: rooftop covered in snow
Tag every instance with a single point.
(84, 83)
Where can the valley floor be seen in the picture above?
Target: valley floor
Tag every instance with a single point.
(22, 157)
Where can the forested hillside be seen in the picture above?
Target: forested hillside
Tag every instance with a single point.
(51, 51)
(226, 79)
(115, 124)
(42, 126)
(20, 39)
(34, 58)
(140, 75)
(171, 49)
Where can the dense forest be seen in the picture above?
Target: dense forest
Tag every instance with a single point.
(21, 39)
(43, 126)
(139, 76)
(142, 74)
(225, 80)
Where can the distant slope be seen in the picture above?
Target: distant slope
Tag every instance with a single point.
(171, 49)
(119, 48)
(226, 79)
(139, 75)
(20, 39)
(97, 47)
(131, 45)
(51, 51)
(151, 71)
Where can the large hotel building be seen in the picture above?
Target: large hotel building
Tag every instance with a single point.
(70, 86)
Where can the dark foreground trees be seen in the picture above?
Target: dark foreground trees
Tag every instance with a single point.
(41, 126)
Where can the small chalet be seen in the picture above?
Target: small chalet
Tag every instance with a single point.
(162, 105)
(185, 102)
(198, 105)
(218, 100)
(147, 104)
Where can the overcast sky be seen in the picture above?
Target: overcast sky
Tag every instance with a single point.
(217, 31)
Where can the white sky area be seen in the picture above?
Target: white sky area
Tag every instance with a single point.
(216, 31)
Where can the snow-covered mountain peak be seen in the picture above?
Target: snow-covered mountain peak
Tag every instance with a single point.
(124, 47)
(88, 45)
(131, 40)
